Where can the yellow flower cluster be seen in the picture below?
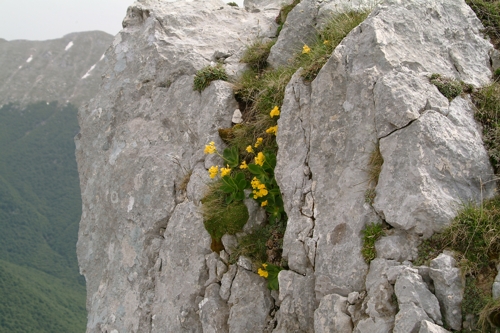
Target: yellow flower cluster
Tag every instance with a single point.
(210, 148)
(263, 272)
(225, 171)
(274, 112)
(263, 203)
(213, 171)
(259, 189)
(249, 149)
(259, 159)
(243, 165)
(306, 49)
(272, 130)
(258, 142)
(326, 42)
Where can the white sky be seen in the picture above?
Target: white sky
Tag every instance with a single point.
(50, 19)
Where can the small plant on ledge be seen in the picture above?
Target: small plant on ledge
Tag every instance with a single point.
(206, 75)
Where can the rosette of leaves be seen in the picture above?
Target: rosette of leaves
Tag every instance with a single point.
(233, 185)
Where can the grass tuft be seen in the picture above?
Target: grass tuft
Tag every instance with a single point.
(375, 165)
(232, 4)
(371, 234)
(487, 101)
(206, 75)
(221, 218)
(256, 54)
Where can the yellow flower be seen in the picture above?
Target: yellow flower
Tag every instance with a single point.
(259, 159)
(306, 49)
(326, 42)
(258, 142)
(249, 149)
(263, 273)
(275, 112)
(225, 171)
(213, 171)
(263, 203)
(272, 130)
(210, 148)
(264, 265)
(243, 165)
(255, 182)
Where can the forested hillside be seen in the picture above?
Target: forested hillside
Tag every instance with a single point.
(40, 207)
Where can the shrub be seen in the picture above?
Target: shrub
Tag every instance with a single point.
(448, 87)
(233, 4)
(206, 75)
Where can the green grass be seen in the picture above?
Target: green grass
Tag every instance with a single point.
(371, 234)
(206, 75)
(221, 218)
(256, 54)
(474, 237)
(487, 101)
(488, 11)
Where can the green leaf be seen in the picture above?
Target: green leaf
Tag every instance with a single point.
(231, 156)
(273, 284)
(256, 170)
(238, 196)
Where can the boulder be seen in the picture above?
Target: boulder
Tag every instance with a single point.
(331, 315)
(449, 287)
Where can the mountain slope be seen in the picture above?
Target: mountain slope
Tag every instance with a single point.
(64, 69)
(40, 207)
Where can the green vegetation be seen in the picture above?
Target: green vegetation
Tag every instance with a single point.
(40, 208)
(256, 54)
(374, 168)
(487, 101)
(473, 237)
(233, 4)
(448, 87)
(221, 217)
(206, 75)
(488, 11)
(270, 272)
(371, 234)
(285, 10)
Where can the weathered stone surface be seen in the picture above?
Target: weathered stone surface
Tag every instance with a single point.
(139, 137)
(435, 174)
(378, 304)
(408, 318)
(449, 288)
(331, 315)
(399, 246)
(214, 312)
(414, 299)
(66, 69)
(298, 30)
(429, 327)
(227, 281)
(250, 303)
(298, 302)
(183, 272)
(496, 285)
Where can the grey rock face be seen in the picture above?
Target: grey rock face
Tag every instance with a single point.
(428, 327)
(250, 303)
(496, 285)
(214, 312)
(63, 69)
(449, 288)
(298, 302)
(142, 244)
(331, 315)
(399, 246)
(415, 301)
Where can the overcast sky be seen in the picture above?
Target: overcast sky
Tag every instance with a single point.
(50, 19)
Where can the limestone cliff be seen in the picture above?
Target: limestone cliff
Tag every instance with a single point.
(142, 245)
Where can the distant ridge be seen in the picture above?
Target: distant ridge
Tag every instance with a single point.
(66, 69)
